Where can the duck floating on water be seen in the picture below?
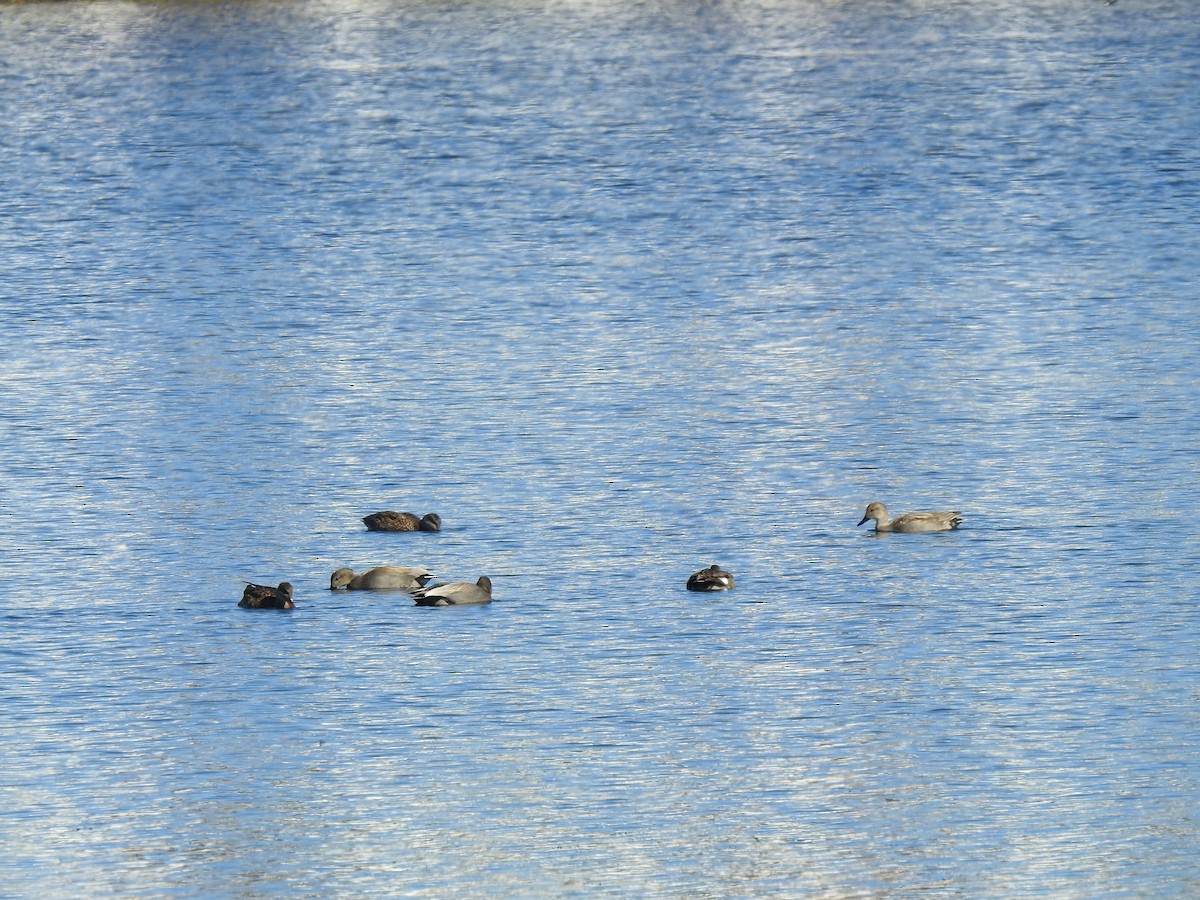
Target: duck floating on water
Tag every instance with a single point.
(913, 522)
(381, 578)
(262, 596)
(402, 521)
(457, 593)
(714, 578)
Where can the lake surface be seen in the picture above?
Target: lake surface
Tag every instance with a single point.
(620, 290)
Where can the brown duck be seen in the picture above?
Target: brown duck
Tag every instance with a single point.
(261, 596)
(714, 578)
(402, 521)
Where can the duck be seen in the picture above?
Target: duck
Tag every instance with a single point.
(457, 593)
(913, 522)
(402, 521)
(714, 578)
(261, 596)
(381, 578)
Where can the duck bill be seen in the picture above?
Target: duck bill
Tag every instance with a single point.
(864, 519)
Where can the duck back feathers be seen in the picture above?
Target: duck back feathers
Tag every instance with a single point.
(381, 578)
(714, 578)
(458, 593)
(261, 596)
(389, 520)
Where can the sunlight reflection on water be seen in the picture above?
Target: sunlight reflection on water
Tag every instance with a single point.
(620, 292)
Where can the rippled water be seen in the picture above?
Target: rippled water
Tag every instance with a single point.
(620, 290)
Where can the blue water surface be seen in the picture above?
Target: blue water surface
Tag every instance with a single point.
(620, 290)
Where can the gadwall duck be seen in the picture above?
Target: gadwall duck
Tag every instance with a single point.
(381, 578)
(458, 593)
(402, 521)
(911, 523)
(714, 578)
(261, 596)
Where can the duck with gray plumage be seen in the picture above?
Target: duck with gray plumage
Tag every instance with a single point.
(911, 523)
(381, 578)
(388, 520)
(457, 593)
(262, 596)
(714, 578)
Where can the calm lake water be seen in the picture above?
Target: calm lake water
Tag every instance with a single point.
(620, 290)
